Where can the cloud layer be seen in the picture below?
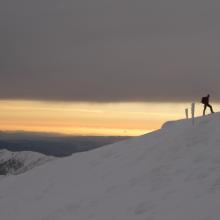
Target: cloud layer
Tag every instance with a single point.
(109, 51)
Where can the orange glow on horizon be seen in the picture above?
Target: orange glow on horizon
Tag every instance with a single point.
(122, 119)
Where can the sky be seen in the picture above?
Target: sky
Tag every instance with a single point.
(110, 51)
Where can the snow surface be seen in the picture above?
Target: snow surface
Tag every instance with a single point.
(170, 174)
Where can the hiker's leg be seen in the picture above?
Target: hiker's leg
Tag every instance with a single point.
(211, 109)
(204, 109)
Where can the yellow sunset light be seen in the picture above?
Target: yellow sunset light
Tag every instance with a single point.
(123, 119)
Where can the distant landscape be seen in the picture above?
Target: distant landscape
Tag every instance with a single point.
(52, 144)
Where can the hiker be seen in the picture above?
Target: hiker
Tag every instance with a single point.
(205, 101)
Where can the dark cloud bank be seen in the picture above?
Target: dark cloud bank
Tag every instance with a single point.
(109, 50)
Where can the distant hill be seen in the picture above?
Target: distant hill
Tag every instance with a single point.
(19, 162)
(52, 144)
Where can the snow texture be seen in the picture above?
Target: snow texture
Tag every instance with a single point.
(169, 174)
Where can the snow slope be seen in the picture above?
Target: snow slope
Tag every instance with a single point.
(170, 174)
(23, 160)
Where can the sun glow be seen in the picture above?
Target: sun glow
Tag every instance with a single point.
(123, 119)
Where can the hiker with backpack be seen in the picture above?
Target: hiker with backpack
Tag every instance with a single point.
(205, 101)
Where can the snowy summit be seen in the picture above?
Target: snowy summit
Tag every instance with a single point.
(169, 174)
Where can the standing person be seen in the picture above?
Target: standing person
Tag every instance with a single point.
(205, 101)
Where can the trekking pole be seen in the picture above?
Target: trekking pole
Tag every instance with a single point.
(187, 113)
(193, 113)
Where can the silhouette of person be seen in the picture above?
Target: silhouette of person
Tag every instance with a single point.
(205, 101)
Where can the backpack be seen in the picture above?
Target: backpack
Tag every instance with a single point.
(203, 100)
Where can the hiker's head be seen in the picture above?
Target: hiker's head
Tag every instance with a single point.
(208, 95)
